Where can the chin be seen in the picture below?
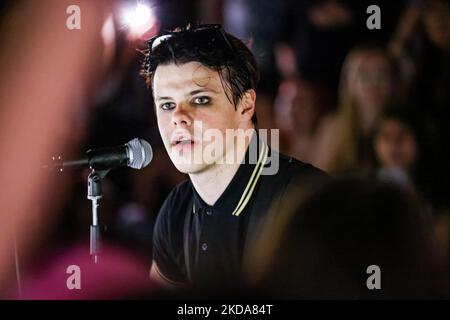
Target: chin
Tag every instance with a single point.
(189, 168)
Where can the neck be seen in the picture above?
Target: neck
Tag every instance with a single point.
(212, 182)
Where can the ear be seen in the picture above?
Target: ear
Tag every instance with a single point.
(246, 107)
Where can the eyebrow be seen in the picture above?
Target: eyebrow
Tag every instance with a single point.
(192, 93)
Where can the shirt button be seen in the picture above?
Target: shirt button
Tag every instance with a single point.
(204, 246)
(209, 211)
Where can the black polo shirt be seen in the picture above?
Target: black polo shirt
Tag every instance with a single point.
(195, 243)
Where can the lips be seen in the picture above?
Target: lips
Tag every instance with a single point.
(181, 139)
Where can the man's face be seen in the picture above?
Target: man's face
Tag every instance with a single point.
(189, 100)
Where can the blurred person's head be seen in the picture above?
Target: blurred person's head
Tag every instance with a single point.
(282, 107)
(201, 78)
(403, 152)
(321, 247)
(436, 21)
(395, 140)
(367, 83)
(368, 86)
(310, 103)
(299, 107)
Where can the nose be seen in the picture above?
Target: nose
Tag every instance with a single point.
(181, 116)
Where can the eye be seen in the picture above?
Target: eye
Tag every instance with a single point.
(167, 106)
(202, 100)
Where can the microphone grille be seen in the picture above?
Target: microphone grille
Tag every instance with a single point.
(140, 153)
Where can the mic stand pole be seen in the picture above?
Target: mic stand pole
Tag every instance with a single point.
(95, 194)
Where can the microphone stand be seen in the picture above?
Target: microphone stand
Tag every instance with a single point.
(136, 153)
(95, 194)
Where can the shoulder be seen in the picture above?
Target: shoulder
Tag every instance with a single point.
(288, 175)
(292, 168)
(304, 180)
(182, 192)
(174, 207)
(283, 172)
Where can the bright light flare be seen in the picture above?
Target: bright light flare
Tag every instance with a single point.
(139, 19)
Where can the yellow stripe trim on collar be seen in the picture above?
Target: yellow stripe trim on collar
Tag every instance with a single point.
(247, 198)
(253, 180)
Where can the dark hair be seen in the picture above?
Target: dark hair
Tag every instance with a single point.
(234, 62)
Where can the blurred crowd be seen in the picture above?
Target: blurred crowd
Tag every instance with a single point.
(369, 107)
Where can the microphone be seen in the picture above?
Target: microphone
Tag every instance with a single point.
(136, 153)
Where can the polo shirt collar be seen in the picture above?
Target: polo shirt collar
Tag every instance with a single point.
(239, 191)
